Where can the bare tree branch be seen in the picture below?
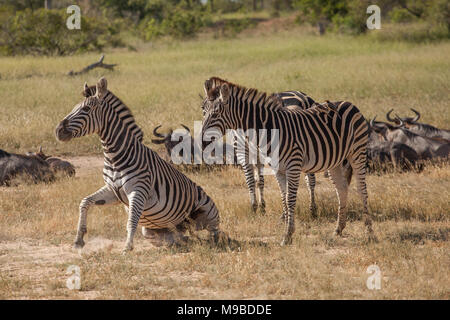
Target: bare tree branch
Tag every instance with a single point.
(98, 64)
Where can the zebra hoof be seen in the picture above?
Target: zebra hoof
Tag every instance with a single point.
(372, 238)
(262, 209)
(287, 241)
(313, 211)
(128, 248)
(78, 244)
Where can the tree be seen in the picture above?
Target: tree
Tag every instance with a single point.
(321, 12)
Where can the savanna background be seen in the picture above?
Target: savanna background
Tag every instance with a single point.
(164, 51)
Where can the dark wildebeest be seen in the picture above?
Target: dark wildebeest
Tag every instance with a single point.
(381, 153)
(419, 128)
(57, 165)
(14, 165)
(426, 148)
(170, 142)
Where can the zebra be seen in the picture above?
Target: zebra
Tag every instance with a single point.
(155, 194)
(289, 99)
(312, 140)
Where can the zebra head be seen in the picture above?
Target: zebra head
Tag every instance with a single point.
(216, 109)
(86, 116)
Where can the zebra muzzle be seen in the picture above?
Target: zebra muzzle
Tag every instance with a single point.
(62, 133)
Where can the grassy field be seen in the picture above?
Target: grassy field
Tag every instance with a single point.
(160, 83)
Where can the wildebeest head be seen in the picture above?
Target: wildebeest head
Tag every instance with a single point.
(56, 165)
(39, 154)
(407, 121)
(168, 139)
(382, 128)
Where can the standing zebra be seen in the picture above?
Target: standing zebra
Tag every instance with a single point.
(156, 195)
(289, 99)
(312, 140)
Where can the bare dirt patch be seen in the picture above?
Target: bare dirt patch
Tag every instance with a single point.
(86, 165)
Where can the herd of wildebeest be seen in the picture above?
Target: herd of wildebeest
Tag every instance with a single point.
(402, 143)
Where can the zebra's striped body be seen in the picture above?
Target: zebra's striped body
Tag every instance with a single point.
(317, 139)
(291, 100)
(155, 194)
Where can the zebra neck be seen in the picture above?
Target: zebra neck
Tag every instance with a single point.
(254, 111)
(118, 141)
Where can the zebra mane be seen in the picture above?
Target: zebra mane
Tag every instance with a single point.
(250, 95)
(121, 109)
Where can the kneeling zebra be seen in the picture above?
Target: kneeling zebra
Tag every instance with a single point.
(316, 139)
(156, 195)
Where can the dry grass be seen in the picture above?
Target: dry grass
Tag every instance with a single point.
(160, 84)
(412, 226)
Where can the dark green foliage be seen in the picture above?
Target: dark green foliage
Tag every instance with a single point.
(350, 15)
(44, 32)
(234, 26)
(180, 21)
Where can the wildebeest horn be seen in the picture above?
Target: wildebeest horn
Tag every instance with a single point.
(417, 115)
(158, 141)
(187, 129)
(40, 149)
(388, 116)
(399, 120)
(157, 134)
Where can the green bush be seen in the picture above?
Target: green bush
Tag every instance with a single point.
(234, 26)
(44, 32)
(150, 29)
(400, 15)
(179, 21)
(183, 23)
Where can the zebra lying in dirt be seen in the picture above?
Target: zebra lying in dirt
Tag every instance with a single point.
(155, 194)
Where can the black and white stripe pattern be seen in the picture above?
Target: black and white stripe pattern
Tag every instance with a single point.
(156, 195)
(317, 139)
(254, 173)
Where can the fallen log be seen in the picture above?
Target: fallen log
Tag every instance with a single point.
(98, 64)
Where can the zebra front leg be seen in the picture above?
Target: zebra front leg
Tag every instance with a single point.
(311, 183)
(103, 196)
(340, 183)
(292, 177)
(242, 158)
(260, 176)
(136, 202)
(250, 180)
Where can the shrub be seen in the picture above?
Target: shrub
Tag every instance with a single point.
(181, 23)
(234, 26)
(44, 32)
(401, 15)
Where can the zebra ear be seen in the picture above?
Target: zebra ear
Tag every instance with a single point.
(102, 86)
(86, 87)
(224, 92)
